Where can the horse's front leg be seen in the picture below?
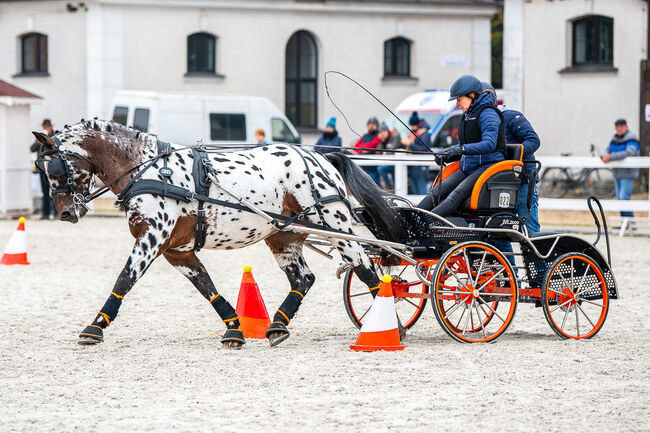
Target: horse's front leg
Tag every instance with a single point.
(190, 266)
(146, 249)
(287, 249)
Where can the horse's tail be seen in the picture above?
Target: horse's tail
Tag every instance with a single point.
(374, 199)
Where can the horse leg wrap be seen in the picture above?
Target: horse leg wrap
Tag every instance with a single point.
(108, 313)
(289, 307)
(233, 335)
(277, 327)
(225, 311)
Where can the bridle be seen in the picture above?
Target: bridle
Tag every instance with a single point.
(57, 167)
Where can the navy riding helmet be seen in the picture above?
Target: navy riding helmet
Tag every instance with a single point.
(464, 86)
(488, 86)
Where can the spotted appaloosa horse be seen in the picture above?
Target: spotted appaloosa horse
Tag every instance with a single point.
(273, 177)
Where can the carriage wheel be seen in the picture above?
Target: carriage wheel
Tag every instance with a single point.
(474, 292)
(575, 296)
(358, 299)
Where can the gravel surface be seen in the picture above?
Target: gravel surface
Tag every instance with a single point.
(162, 368)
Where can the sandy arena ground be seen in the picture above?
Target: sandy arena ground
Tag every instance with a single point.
(161, 367)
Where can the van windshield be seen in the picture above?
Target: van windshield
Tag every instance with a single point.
(431, 118)
(280, 132)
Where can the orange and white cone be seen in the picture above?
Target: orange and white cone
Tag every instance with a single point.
(254, 318)
(16, 251)
(379, 330)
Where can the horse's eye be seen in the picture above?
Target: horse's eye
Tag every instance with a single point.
(56, 167)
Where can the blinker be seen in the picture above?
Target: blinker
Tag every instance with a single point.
(56, 167)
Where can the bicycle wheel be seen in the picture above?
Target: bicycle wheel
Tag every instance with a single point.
(599, 182)
(555, 182)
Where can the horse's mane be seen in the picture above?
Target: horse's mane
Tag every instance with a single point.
(74, 134)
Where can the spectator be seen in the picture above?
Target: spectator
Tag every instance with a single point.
(418, 141)
(623, 144)
(47, 207)
(389, 139)
(330, 140)
(260, 137)
(367, 144)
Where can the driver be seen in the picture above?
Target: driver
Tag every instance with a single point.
(481, 137)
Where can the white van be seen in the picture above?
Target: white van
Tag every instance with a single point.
(212, 119)
(433, 106)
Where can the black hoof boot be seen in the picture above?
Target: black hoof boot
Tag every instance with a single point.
(277, 333)
(233, 339)
(92, 334)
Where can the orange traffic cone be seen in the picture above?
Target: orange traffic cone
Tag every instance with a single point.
(16, 251)
(253, 317)
(379, 330)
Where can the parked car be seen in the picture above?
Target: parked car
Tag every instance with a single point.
(212, 119)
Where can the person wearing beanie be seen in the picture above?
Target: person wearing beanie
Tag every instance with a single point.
(482, 143)
(367, 144)
(418, 141)
(329, 141)
(623, 144)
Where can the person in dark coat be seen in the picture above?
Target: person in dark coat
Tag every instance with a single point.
(481, 137)
(520, 131)
(418, 141)
(47, 207)
(623, 144)
(389, 139)
(330, 140)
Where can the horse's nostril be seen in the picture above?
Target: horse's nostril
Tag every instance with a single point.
(65, 214)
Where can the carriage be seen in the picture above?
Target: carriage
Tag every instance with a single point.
(474, 281)
(181, 199)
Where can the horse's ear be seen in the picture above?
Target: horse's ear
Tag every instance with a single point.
(42, 138)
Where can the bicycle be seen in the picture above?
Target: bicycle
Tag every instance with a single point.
(556, 182)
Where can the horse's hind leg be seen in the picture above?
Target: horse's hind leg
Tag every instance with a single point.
(146, 249)
(287, 249)
(190, 266)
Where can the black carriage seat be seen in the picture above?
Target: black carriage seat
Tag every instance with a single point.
(497, 189)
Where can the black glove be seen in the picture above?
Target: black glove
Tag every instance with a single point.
(438, 158)
(453, 153)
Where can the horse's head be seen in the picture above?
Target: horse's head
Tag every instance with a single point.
(70, 174)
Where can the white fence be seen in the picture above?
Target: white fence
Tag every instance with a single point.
(401, 164)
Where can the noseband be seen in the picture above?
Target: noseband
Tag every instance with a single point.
(58, 168)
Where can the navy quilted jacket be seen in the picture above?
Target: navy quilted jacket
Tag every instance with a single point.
(484, 152)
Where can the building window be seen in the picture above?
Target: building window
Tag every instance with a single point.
(301, 69)
(33, 48)
(201, 53)
(227, 127)
(593, 41)
(397, 57)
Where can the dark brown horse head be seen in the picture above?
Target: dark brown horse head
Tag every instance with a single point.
(69, 172)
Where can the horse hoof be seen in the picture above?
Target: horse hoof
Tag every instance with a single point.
(233, 339)
(89, 341)
(234, 345)
(276, 337)
(91, 335)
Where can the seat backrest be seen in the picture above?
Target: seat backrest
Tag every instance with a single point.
(515, 151)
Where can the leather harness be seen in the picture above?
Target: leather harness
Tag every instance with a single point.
(200, 170)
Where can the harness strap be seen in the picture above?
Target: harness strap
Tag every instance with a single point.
(201, 187)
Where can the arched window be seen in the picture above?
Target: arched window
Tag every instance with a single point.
(593, 41)
(201, 53)
(397, 57)
(33, 49)
(301, 69)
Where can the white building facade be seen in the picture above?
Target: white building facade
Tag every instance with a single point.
(574, 67)
(99, 47)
